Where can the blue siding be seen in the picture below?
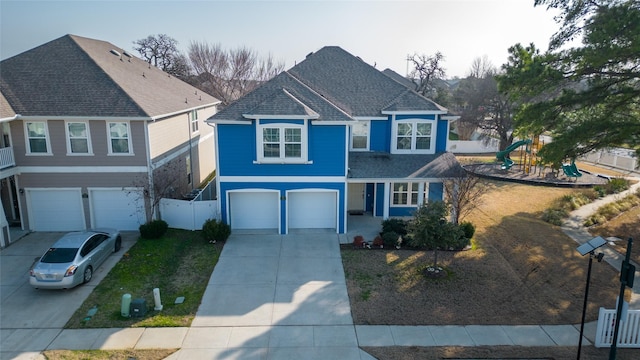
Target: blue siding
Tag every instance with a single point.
(283, 187)
(443, 136)
(237, 149)
(402, 211)
(436, 191)
(380, 135)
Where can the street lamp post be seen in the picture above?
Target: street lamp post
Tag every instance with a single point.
(584, 249)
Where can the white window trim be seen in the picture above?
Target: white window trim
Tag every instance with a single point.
(46, 136)
(68, 135)
(194, 120)
(130, 153)
(261, 159)
(413, 187)
(351, 148)
(413, 150)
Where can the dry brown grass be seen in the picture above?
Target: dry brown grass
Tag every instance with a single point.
(624, 226)
(151, 354)
(496, 352)
(522, 271)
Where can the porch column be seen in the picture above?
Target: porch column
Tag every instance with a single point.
(421, 194)
(387, 196)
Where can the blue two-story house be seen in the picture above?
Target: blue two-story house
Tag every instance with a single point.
(329, 137)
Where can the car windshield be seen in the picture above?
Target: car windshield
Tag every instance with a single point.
(59, 255)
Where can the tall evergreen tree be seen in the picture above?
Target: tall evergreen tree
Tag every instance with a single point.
(587, 96)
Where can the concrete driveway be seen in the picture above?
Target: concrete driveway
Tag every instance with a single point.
(29, 317)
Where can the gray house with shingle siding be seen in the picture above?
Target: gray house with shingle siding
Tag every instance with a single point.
(91, 131)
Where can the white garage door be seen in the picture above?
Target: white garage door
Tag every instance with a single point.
(312, 210)
(55, 210)
(254, 210)
(117, 208)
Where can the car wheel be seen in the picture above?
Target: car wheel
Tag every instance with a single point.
(118, 244)
(88, 274)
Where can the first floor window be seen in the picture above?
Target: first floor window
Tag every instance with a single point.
(405, 193)
(119, 139)
(282, 143)
(78, 138)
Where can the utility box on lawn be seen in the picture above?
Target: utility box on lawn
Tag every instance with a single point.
(138, 308)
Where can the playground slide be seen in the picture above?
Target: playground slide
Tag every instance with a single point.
(571, 170)
(503, 155)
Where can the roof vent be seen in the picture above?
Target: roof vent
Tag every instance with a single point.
(125, 53)
(309, 54)
(114, 52)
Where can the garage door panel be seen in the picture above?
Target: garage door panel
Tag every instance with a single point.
(56, 210)
(312, 210)
(254, 210)
(117, 208)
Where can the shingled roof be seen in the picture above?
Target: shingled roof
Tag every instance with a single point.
(379, 165)
(338, 79)
(282, 95)
(77, 76)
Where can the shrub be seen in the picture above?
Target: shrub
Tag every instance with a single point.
(154, 229)
(554, 216)
(390, 239)
(459, 243)
(617, 185)
(398, 226)
(214, 230)
(468, 229)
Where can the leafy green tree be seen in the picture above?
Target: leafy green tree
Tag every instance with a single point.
(430, 229)
(588, 96)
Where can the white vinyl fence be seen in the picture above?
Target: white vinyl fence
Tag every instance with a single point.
(628, 333)
(188, 215)
(617, 158)
(473, 146)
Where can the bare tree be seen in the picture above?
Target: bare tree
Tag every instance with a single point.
(426, 70)
(463, 195)
(162, 52)
(229, 74)
(482, 106)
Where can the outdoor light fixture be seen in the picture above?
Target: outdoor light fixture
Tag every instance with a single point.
(588, 248)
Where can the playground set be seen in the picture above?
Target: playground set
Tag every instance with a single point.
(529, 162)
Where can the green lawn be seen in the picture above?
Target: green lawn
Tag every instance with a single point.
(179, 264)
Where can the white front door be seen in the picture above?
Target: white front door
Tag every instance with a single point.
(356, 197)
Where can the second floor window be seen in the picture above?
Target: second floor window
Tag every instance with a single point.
(282, 143)
(413, 136)
(194, 120)
(360, 135)
(119, 139)
(37, 137)
(78, 140)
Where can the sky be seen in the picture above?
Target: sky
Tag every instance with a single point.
(383, 33)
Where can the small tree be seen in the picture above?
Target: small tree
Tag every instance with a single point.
(431, 230)
(463, 195)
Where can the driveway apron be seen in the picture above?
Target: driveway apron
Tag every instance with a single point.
(275, 297)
